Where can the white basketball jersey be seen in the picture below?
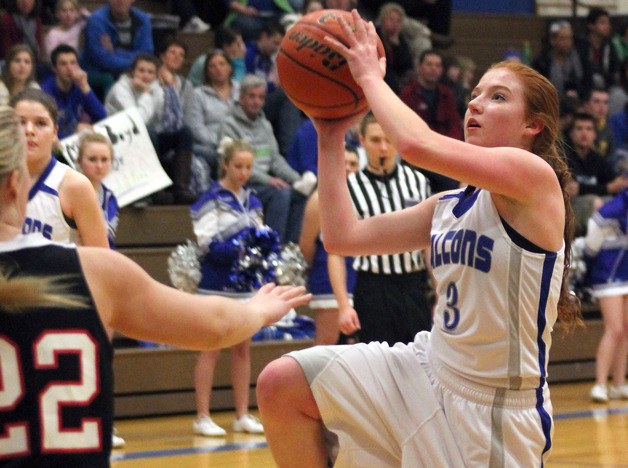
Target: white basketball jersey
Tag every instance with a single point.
(43, 212)
(497, 301)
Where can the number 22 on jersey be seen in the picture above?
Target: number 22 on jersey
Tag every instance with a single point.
(14, 436)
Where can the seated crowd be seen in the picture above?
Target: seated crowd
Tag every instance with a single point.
(97, 63)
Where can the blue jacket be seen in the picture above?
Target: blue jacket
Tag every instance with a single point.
(71, 106)
(100, 23)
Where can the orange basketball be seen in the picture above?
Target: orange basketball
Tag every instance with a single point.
(314, 75)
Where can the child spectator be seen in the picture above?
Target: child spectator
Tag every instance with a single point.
(18, 73)
(220, 216)
(95, 159)
(607, 274)
(161, 111)
(69, 29)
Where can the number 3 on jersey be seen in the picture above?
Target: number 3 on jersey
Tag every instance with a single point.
(14, 437)
(451, 315)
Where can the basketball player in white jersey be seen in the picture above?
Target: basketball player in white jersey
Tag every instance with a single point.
(62, 203)
(473, 391)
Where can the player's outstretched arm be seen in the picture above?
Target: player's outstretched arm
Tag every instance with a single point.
(130, 301)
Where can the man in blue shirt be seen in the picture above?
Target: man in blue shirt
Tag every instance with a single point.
(114, 35)
(71, 91)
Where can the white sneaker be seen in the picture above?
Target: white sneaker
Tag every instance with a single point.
(618, 393)
(206, 427)
(599, 393)
(196, 26)
(248, 423)
(116, 440)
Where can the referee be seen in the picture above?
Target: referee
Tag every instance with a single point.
(391, 295)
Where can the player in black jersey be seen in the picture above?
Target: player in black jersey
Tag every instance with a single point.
(56, 389)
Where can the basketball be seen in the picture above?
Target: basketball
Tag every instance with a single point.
(314, 75)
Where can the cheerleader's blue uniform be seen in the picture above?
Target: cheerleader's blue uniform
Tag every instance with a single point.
(318, 279)
(605, 248)
(218, 218)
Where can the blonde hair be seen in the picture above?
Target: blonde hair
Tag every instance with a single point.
(93, 137)
(21, 292)
(11, 142)
(28, 292)
(227, 150)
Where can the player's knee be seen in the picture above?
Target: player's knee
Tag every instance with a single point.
(274, 381)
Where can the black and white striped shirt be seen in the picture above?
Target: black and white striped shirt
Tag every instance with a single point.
(374, 194)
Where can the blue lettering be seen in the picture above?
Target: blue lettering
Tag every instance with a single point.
(34, 225)
(448, 236)
(462, 247)
(483, 254)
(456, 245)
(468, 247)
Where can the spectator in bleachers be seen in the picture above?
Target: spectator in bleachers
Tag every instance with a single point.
(618, 93)
(273, 179)
(172, 57)
(161, 111)
(303, 152)
(607, 276)
(18, 72)
(71, 91)
(260, 53)
(399, 61)
(560, 63)
(452, 77)
(568, 107)
(230, 41)
(596, 48)
(251, 16)
(213, 101)
(596, 104)
(21, 24)
(436, 104)
(71, 21)
(260, 60)
(593, 177)
(114, 35)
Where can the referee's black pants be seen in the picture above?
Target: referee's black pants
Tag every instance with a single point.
(392, 308)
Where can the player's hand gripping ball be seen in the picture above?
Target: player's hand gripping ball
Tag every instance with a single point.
(313, 74)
